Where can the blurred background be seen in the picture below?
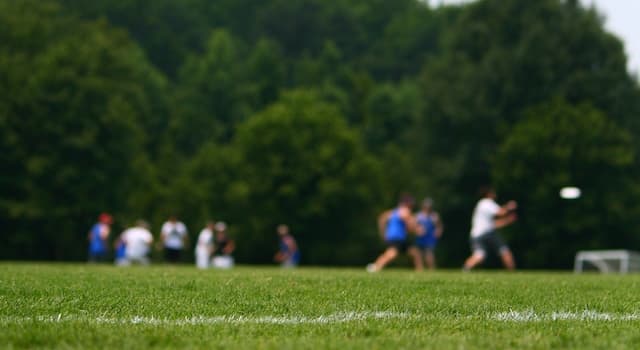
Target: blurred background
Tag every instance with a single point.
(317, 114)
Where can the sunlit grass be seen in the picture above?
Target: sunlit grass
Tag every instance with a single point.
(84, 306)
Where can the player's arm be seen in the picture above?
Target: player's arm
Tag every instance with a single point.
(410, 221)
(185, 238)
(149, 238)
(162, 238)
(382, 222)
(291, 244)
(163, 233)
(282, 256)
(505, 220)
(118, 241)
(231, 246)
(507, 208)
(104, 232)
(439, 225)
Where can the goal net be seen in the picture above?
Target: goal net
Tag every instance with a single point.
(607, 261)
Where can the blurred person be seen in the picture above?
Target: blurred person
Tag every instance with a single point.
(395, 225)
(137, 240)
(223, 247)
(288, 256)
(174, 237)
(98, 237)
(204, 246)
(120, 251)
(488, 216)
(432, 229)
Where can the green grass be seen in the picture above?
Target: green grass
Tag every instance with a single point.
(80, 306)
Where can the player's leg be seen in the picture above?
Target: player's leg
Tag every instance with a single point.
(172, 255)
(389, 254)
(478, 254)
(474, 260)
(505, 253)
(507, 259)
(416, 256)
(202, 258)
(430, 258)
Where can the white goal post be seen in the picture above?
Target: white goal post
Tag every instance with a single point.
(606, 261)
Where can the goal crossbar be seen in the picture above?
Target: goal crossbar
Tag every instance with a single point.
(607, 260)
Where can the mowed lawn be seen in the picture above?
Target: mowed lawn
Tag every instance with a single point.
(82, 306)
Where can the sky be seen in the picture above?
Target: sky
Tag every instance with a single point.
(622, 17)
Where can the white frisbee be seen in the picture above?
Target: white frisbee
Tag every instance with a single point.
(570, 192)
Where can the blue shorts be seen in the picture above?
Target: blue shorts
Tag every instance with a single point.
(426, 243)
(97, 256)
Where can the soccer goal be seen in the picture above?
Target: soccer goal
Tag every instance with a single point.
(607, 261)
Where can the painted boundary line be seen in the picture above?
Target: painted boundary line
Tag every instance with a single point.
(527, 316)
(205, 320)
(585, 315)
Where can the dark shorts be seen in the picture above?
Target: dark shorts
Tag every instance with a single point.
(98, 256)
(401, 246)
(172, 255)
(488, 242)
(424, 248)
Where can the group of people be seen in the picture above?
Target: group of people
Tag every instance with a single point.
(214, 247)
(131, 246)
(397, 224)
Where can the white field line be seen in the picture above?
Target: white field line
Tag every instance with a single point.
(510, 316)
(207, 320)
(585, 315)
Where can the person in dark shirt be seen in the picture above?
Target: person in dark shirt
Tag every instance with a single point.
(223, 247)
(288, 255)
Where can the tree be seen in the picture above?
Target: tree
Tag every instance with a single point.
(266, 73)
(73, 126)
(557, 145)
(167, 30)
(410, 37)
(302, 165)
(209, 99)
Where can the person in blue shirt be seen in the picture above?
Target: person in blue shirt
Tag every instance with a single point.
(98, 237)
(120, 252)
(432, 229)
(395, 226)
(288, 255)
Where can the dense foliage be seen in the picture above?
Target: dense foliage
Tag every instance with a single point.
(314, 113)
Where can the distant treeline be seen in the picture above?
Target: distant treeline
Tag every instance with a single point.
(316, 114)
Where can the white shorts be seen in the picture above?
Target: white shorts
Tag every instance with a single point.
(222, 262)
(202, 258)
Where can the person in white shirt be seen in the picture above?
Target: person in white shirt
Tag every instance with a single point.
(138, 240)
(487, 217)
(204, 247)
(174, 237)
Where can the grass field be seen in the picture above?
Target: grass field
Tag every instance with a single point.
(79, 306)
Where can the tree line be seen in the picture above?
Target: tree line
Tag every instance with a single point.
(317, 114)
